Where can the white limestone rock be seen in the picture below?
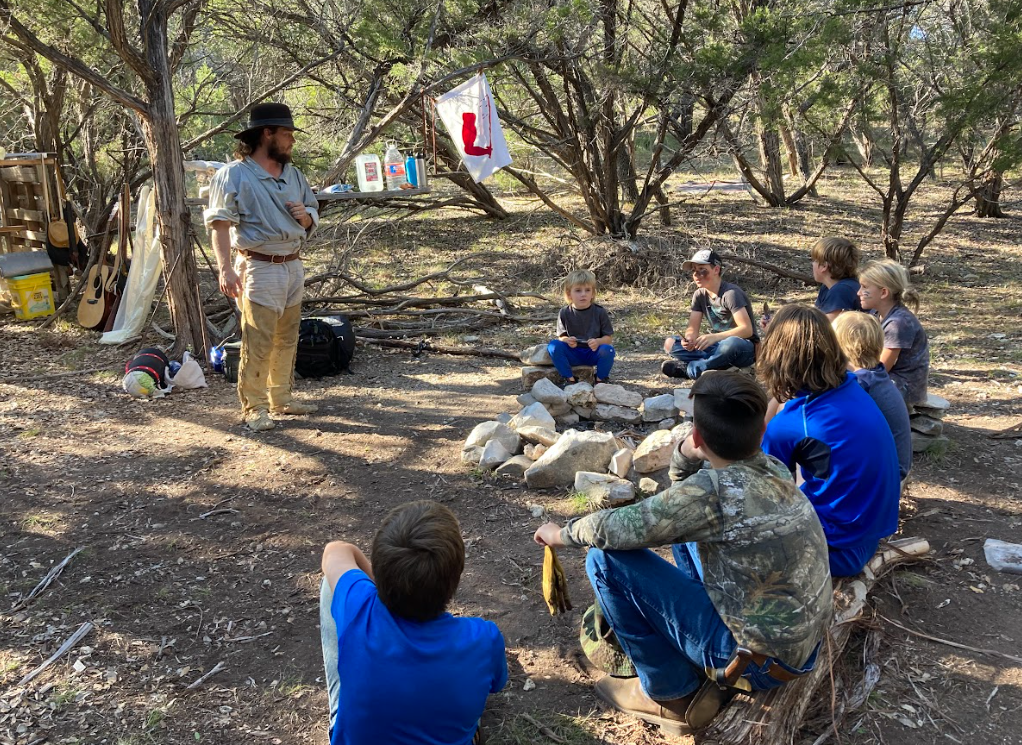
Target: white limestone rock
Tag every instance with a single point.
(504, 417)
(602, 488)
(574, 451)
(621, 462)
(544, 391)
(584, 412)
(494, 454)
(934, 406)
(483, 433)
(648, 485)
(514, 467)
(567, 420)
(580, 394)
(683, 430)
(655, 451)
(682, 402)
(537, 355)
(535, 450)
(657, 408)
(533, 415)
(557, 410)
(616, 395)
(614, 413)
(525, 399)
(546, 436)
(472, 455)
(924, 425)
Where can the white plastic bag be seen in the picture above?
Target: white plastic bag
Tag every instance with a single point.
(189, 376)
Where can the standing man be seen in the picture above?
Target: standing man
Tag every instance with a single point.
(262, 206)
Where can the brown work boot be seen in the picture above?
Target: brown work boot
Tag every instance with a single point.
(625, 695)
(296, 408)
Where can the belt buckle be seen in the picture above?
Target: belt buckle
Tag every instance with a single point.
(273, 259)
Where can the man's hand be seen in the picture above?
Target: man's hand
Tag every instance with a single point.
(571, 341)
(230, 282)
(299, 213)
(704, 341)
(548, 534)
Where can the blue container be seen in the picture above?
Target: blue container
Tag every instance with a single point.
(410, 172)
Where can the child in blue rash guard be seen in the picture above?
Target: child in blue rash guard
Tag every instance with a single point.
(584, 331)
(400, 670)
(830, 428)
(884, 290)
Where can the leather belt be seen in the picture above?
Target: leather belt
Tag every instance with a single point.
(271, 258)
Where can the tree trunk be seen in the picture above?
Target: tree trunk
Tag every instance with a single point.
(988, 195)
(769, 149)
(626, 170)
(798, 150)
(864, 145)
(163, 141)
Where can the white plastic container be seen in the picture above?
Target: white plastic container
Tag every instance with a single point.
(394, 167)
(369, 172)
(1003, 556)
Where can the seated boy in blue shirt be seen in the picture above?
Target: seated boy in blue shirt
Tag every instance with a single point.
(399, 669)
(835, 267)
(584, 331)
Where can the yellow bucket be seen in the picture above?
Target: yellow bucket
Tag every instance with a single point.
(31, 295)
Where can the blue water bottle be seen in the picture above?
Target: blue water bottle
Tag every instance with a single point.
(410, 171)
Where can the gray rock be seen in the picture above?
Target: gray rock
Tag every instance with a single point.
(514, 467)
(546, 392)
(620, 462)
(531, 374)
(648, 485)
(935, 446)
(543, 435)
(525, 399)
(924, 425)
(472, 455)
(934, 406)
(612, 413)
(682, 402)
(537, 355)
(504, 418)
(665, 424)
(574, 451)
(603, 488)
(558, 410)
(584, 412)
(656, 408)
(483, 433)
(655, 451)
(494, 454)
(616, 395)
(533, 415)
(567, 420)
(580, 394)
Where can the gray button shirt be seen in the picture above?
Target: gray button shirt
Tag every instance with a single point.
(253, 201)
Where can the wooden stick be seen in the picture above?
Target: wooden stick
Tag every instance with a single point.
(804, 278)
(45, 581)
(956, 645)
(223, 511)
(47, 376)
(202, 679)
(66, 647)
(543, 729)
(440, 348)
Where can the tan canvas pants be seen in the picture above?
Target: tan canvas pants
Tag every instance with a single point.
(268, 348)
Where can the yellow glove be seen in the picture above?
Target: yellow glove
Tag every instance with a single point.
(555, 585)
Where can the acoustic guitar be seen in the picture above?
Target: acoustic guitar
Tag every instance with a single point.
(115, 287)
(92, 308)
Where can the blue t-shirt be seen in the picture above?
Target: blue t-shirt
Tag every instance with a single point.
(844, 295)
(877, 383)
(410, 682)
(848, 459)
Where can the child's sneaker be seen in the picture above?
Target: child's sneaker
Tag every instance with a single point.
(674, 369)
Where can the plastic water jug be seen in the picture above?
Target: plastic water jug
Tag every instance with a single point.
(370, 173)
(410, 173)
(394, 167)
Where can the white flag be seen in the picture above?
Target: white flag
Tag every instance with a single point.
(471, 119)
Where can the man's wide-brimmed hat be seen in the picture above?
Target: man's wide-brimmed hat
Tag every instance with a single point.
(269, 115)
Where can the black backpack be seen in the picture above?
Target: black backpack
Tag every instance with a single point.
(325, 346)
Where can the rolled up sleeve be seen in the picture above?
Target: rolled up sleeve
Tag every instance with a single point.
(223, 203)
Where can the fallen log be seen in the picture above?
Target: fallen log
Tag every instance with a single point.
(439, 348)
(774, 717)
(779, 270)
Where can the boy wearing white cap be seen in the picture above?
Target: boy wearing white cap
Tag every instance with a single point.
(732, 339)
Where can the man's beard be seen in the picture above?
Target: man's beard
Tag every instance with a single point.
(277, 154)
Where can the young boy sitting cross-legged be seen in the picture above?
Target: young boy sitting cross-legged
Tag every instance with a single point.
(750, 579)
(398, 668)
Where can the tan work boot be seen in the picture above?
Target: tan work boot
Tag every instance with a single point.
(259, 421)
(296, 408)
(625, 695)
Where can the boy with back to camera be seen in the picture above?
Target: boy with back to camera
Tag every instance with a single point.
(399, 669)
(732, 339)
(584, 331)
(749, 592)
(835, 267)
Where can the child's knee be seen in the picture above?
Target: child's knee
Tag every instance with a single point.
(556, 346)
(605, 351)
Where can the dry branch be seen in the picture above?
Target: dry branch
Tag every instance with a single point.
(774, 717)
(440, 348)
(779, 270)
(203, 678)
(66, 647)
(45, 581)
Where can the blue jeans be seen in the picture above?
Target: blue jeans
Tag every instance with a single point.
(331, 652)
(731, 352)
(565, 358)
(665, 621)
(847, 562)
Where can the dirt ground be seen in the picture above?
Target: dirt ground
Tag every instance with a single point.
(201, 541)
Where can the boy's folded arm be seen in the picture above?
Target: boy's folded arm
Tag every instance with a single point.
(340, 557)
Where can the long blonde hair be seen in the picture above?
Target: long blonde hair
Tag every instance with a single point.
(894, 277)
(800, 353)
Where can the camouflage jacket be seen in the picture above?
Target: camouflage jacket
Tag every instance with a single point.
(764, 555)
